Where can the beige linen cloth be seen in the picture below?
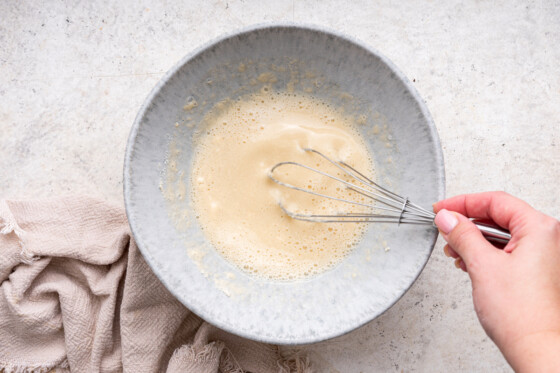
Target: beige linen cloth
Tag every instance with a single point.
(75, 294)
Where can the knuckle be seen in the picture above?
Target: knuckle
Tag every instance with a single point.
(551, 226)
(474, 265)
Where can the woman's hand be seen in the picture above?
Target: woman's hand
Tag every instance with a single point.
(516, 291)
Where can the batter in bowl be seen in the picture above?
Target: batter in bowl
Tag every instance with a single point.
(237, 204)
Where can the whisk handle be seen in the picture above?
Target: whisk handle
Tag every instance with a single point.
(493, 233)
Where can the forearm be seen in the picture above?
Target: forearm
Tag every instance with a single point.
(539, 352)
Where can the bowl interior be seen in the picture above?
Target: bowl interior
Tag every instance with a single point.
(399, 132)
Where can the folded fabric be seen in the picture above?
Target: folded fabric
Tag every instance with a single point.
(76, 294)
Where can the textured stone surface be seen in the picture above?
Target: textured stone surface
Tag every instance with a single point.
(72, 78)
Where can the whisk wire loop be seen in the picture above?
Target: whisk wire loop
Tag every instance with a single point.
(386, 206)
(404, 211)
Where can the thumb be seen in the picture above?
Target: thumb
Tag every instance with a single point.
(465, 239)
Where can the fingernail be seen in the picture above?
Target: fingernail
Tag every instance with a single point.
(446, 221)
(434, 206)
(446, 251)
(458, 263)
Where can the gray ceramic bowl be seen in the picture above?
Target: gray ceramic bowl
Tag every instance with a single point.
(400, 133)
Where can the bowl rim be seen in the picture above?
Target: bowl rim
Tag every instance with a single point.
(201, 49)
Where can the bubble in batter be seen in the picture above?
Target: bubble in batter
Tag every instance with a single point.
(237, 204)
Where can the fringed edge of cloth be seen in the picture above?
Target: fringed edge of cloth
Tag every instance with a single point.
(9, 225)
(6, 367)
(295, 363)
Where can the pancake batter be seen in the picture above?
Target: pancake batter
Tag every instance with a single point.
(237, 204)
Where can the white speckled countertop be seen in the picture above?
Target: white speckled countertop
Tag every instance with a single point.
(72, 78)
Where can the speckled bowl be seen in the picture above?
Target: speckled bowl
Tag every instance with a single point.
(400, 133)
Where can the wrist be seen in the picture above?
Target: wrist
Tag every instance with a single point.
(537, 352)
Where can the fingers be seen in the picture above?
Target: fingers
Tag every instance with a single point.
(449, 252)
(466, 244)
(460, 264)
(500, 207)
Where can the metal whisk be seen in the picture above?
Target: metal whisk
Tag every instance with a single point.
(392, 207)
